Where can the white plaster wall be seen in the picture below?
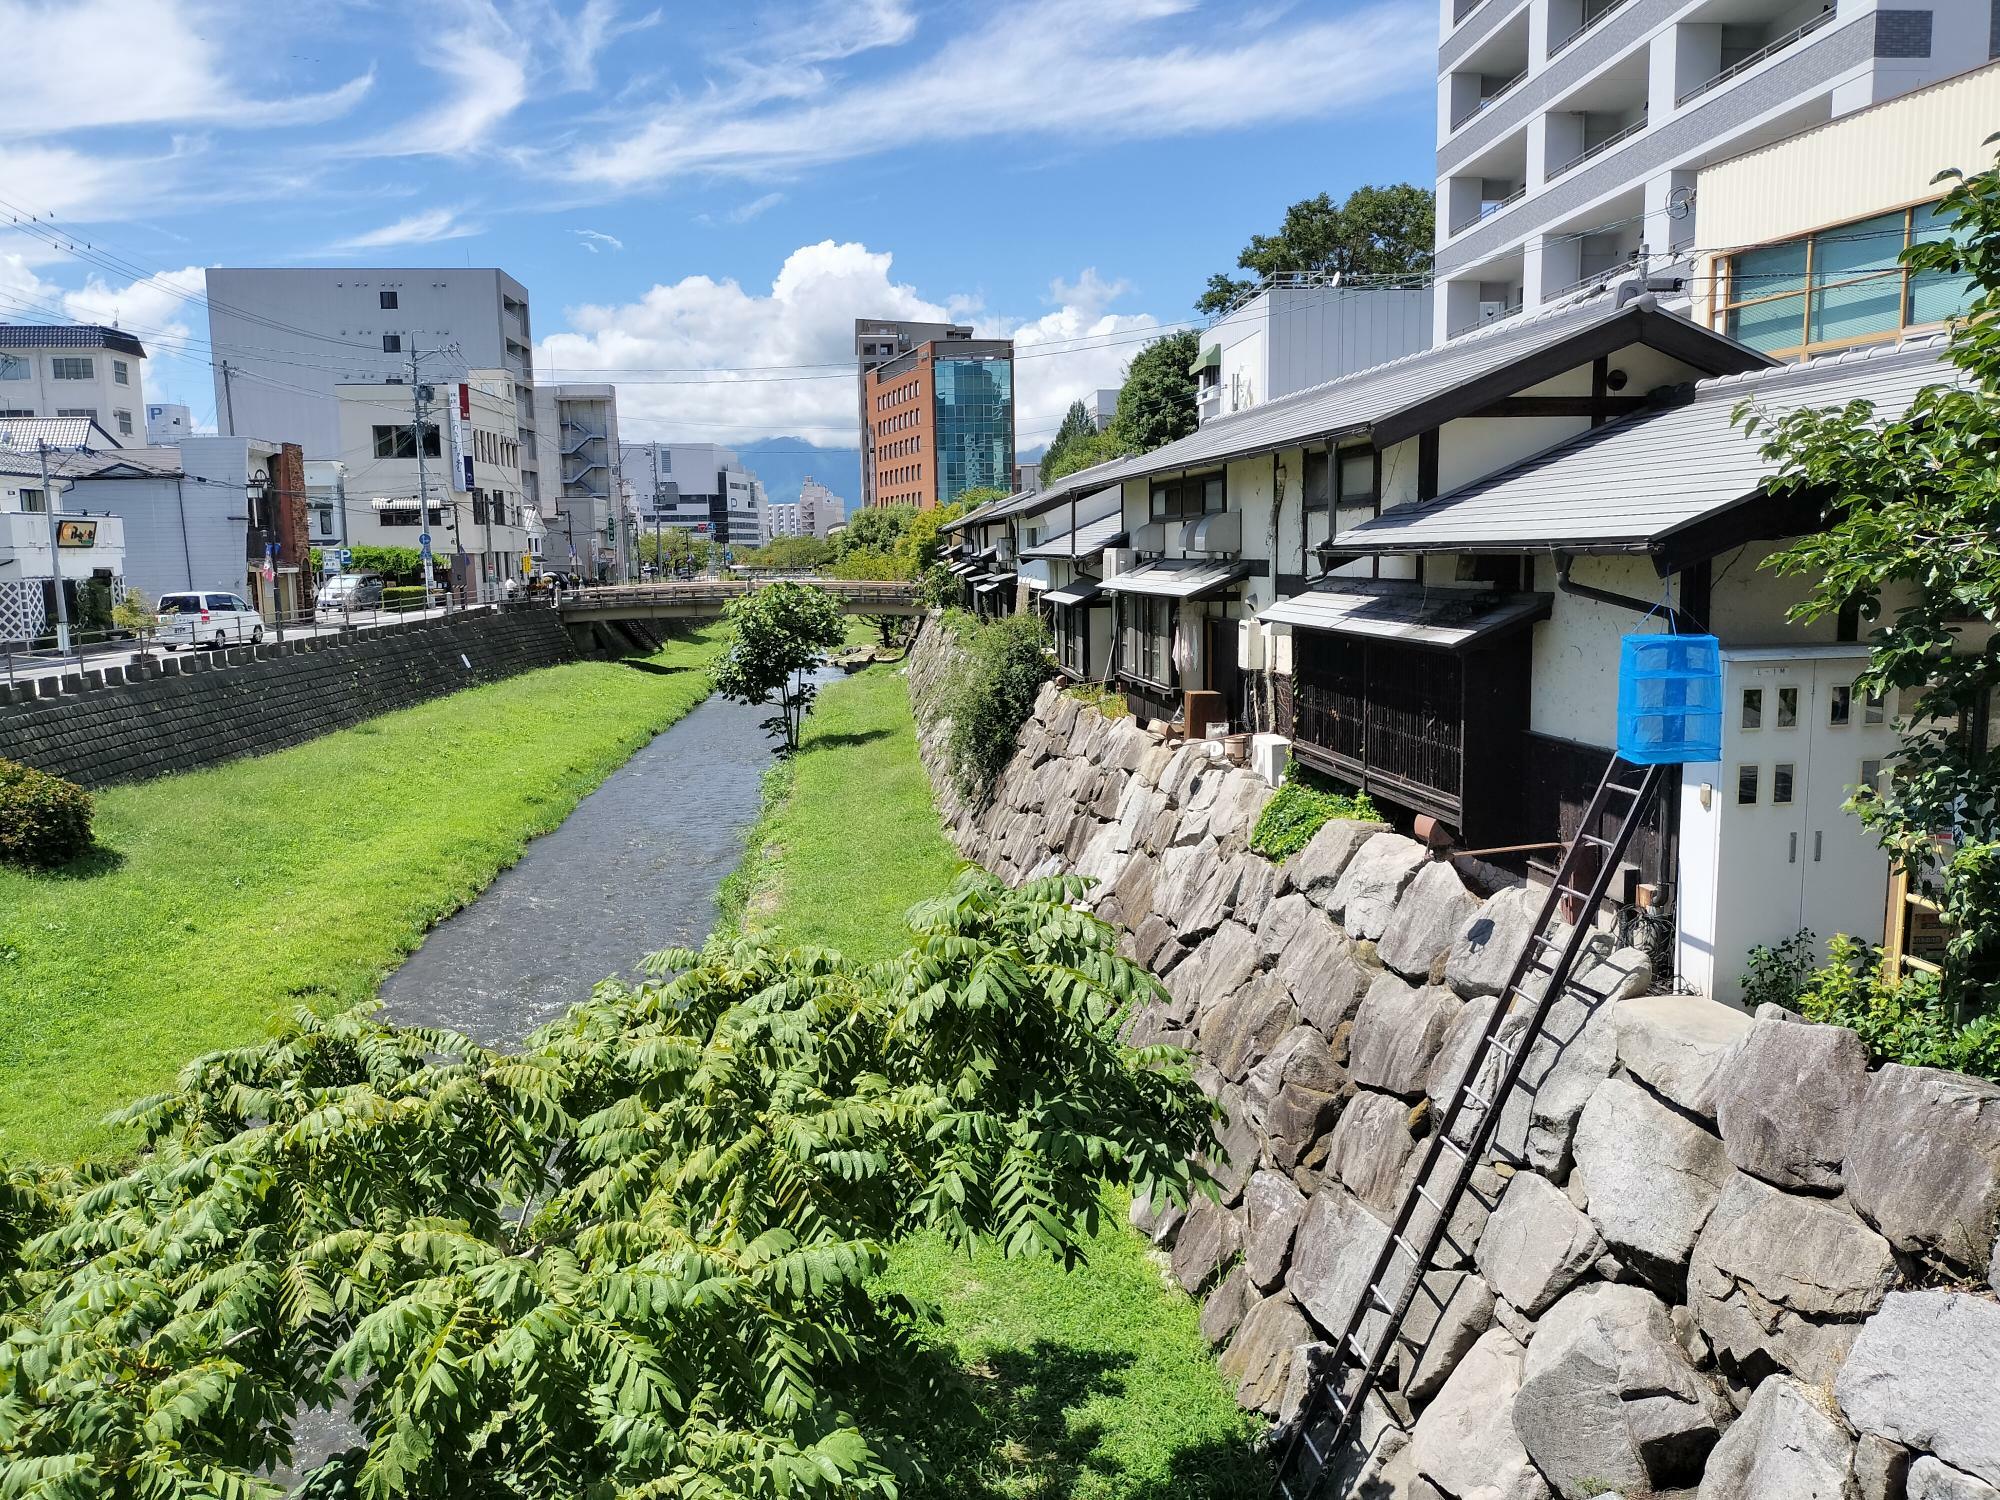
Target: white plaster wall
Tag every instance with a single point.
(1575, 653)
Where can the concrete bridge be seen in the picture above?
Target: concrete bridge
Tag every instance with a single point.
(620, 617)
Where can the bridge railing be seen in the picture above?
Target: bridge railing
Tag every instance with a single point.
(718, 591)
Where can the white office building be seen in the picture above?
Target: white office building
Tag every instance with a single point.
(69, 370)
(1570, 131)
(285, 339)
(1298, 331)
(577, 427)
(820, 509)
(702, 488)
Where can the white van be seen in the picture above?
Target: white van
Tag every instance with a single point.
(216, 620)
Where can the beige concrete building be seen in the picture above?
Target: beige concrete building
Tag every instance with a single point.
(1803, 238)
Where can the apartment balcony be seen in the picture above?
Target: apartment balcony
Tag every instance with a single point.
(1725, 52)
(1569, 24)
(1489, 72)
(1603, 144)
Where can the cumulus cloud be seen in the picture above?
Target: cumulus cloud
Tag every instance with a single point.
(423, 228)
(712, 360)
(1064, 67)
(150, 307)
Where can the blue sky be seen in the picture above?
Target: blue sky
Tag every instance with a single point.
(700, 187)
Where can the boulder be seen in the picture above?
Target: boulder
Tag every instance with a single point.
(1327, 976)
(1212, 897)
(1446, 1317)
(1397, 1031)
(1157, 1223)
(1226, 1307)
(1432, 911)
(1537, 1245)
(1675, 1044)
(1486, 948)
(1453, 1063)
(1931, 1480)
(1787, 1098)
(1465, 1441)
(1178, 878)
(1294, 1095)
(1333, 1258)
(1282, 924)
(1237, 1146)
(1272, 1209)
(1259, 1359)
(1238, 806)
(1154, 946)
(1238, 1033)
(1217, 968)
(1653, 1174)
(1784, 1445)
(1924, 1373)
(1370, 1150)
(1782, 1281)
(1924, 1166)
(1366, 894)
(1317, 868)
(1208, 1240)
(1881, 1468)
(1608, 1398)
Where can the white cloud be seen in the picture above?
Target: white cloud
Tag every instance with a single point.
(743, 213)
(1062, 67)
(789, 351)
(426, 227)
(590, 239)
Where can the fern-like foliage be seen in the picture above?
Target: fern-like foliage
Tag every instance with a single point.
(636, 1258)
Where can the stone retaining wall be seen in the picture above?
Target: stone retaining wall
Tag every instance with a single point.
(1713, 1253)
(193, 709)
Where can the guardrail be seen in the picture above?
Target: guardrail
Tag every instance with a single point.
(721, 591)
(1769, 49)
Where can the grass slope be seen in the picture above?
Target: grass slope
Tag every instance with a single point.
(219, 898)
(1094, 1384)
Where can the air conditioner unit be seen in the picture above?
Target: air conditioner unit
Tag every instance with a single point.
(1491, 311)
(1249, 646)
(1119, 560)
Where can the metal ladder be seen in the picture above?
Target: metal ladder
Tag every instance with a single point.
(1341, 1387)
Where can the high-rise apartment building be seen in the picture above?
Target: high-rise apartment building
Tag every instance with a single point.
(940, 421)
(284, 338)
(75, 370)
(577, 426)
(820, 509)
(702, 488)
(877, 341)
(1570, 131)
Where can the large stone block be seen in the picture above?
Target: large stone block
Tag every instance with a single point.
(1925, 1373)
(1653, 1174)
(1208, 1240)
(1537, 1245)
(1274, 1209)
(1485, 950)
(1294, 1094)
(1327, 976)
(1237, 1144)
(1448, 1314)
(1787, 1099)
(1238, 1033)
(1782, 1281)
(1397, 1032)
(1609, 1400)
(1785, 1446)
(1465, 1441)
(1924, 1166)
(1370, 1150)
(1365, 896)
(1317, 868)
(1333, 1257)
(1223, 1313)
(1932, 1480)
(1433, 909)
(1259, 1360)
(1676, 1043)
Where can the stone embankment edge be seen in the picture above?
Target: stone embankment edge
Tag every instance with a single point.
(1710, 1249)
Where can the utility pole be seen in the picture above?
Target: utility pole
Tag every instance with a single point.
(55, 551)
(228, 399)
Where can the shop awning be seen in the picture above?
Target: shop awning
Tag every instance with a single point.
(1211, 359)
(1077, 591)
(1391, 610)
(1179, 578)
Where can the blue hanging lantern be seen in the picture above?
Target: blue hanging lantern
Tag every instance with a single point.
(1669, 699)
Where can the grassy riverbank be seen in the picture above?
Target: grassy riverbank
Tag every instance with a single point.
(220, 898)
(1094, 1384)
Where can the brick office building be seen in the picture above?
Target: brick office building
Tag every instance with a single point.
(941, 422)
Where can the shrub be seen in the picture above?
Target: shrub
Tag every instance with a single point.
(1006, 662)
(403, 596)
(1303, 805)
(44, 820)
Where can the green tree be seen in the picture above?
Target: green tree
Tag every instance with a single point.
(875, 528)
(792, 554)
(395, 564)
(639, 1258)
(781, 630)
(1378, 231)
(1156, 403)
(1087, 453)
(1912, 508)
(1077, 427)
(675, 547)
(138, 615)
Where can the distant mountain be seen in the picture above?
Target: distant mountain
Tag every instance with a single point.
(783, 463)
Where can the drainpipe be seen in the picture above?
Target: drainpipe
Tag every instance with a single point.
(1679, 619)
(1278, 476)
(180, 501)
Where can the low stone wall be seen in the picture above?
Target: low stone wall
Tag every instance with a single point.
(1710, 1250)
(193, 709)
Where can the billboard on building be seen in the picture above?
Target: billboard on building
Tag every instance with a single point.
(461, 455)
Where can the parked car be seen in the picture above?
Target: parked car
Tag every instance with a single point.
(345, 593)
(217, 620)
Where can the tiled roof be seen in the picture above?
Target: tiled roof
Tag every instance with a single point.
(1629, 485)
(67, 434)
(1089, 539)
(68, 336)
(1178, 578)
(1392, 610)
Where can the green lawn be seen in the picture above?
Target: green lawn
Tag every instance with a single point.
(1094, 1384)
(218, 899)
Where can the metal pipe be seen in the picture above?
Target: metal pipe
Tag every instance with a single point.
(1678, 618)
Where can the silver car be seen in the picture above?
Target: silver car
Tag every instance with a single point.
(208, 619)
(349, 593)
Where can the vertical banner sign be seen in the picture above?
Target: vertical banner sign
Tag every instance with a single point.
(461, 458)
